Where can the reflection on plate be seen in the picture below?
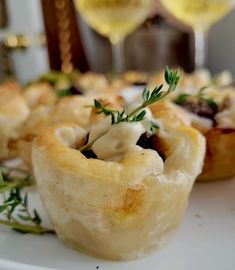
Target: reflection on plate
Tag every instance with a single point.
(206, 240)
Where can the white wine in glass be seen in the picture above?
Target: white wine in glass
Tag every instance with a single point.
(114, 19)
(200, 15)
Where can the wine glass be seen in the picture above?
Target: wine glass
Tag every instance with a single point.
(114, 19)
(200, 15)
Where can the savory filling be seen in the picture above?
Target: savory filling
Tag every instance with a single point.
(152, 142)
(145, 141)
(111, 142)
(89, 154)
(199, 105)
(202, 108)
(110, 138)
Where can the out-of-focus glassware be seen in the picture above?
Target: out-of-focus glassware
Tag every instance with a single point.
(114, 19)
(200, 15)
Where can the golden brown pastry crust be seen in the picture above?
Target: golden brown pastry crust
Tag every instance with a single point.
(70, 109)
(171, 113)
(39, 94)
(220, 155)
(116, 210)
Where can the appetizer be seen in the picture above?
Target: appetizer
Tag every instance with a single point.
(39, 94)
(212, 112)
(136, 78)
(119, 189)
(92, 82)
(54, 84)
(13, 113)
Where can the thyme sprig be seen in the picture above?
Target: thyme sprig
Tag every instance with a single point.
(16, 210)
(183, 98)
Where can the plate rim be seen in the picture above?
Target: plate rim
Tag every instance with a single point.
(12, 265)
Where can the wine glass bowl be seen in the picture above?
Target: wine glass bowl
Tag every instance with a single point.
(200, 15)
(114, 19)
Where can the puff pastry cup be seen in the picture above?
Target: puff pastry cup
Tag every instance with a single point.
(217, 123)
(13, 113)
(220, 155)
(117, 210)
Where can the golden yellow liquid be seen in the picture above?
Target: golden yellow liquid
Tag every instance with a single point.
(198, 13)
(114, 19)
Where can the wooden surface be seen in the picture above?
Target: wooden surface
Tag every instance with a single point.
(3, 14)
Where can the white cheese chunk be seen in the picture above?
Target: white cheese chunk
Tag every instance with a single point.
(99, 128)
(115, 143)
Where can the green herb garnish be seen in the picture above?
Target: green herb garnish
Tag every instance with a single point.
(183, 99)
(16, 209)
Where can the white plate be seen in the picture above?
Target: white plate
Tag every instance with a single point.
(205, 241)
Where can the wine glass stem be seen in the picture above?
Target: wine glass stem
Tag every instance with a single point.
(118, 57)
(201, 48)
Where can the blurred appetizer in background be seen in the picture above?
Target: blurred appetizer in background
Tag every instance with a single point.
(39, 94)
(212, 112)
(192, 82)
(13, 112)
